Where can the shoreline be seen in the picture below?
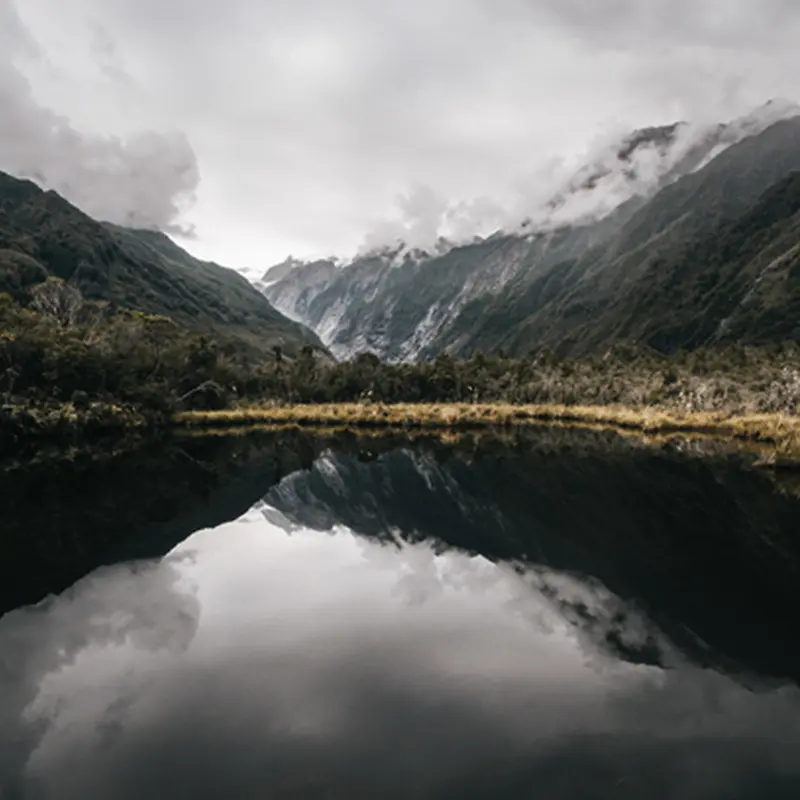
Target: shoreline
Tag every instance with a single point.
(23, 426)
(26, 425)
(780, 431)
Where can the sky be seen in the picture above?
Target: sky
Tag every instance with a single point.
(255, 129)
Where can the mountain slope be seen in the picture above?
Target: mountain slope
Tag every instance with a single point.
(400, 311)
(398, 303)
(42, 234)
(580, 286)
(664, 267)
(741, 283)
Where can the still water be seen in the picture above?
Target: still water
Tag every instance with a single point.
(294, 618)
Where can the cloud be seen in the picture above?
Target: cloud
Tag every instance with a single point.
(309, 118)
(146, 179)
(141, 603)
(739, 24)
(616, 167)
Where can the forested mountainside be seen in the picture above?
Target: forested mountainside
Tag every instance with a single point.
(706, 253)
(43, 235)
(688, 269)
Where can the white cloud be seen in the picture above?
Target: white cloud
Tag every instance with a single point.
(144, 179)
(309, 118)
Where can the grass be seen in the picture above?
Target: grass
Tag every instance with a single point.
(780, 431)
(776, 436)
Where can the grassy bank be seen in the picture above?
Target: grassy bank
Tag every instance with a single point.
(781, 431)
(25, 426)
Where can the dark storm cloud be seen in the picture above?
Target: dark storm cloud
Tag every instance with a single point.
(310, 117)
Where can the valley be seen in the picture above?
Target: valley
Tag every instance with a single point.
(703, 252)
(675, 299)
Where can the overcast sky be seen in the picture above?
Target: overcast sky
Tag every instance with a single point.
(278, 126)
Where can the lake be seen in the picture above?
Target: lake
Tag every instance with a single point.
(541, 614)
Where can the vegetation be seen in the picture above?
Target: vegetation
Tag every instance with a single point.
(713, 258)
(779, 431)
(68, 363)
(63, 348)
(42, 235)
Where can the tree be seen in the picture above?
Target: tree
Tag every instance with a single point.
(58, 301)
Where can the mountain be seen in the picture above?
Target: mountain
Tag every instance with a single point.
(627, 249)
(42, 234)
(685, 270)
(67, 516)
(307, 279)
(675, 535)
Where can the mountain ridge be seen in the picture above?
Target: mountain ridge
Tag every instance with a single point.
(599, 291)
(42, 235)
(553, 280)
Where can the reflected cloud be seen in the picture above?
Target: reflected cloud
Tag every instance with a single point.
(252, 663)
(142, 606)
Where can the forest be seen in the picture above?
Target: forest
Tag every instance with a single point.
(59, 349)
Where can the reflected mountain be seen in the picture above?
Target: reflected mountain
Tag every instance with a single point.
(703, 545)
(63, 518)
(547, 613)
(250, 663)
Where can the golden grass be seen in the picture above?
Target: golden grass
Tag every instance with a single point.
(779, 430)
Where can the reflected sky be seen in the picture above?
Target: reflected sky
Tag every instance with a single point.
(261, 659)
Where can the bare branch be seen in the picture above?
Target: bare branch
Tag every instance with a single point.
(59, 301)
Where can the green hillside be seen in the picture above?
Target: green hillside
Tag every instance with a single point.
(41, 234)
(712, 258)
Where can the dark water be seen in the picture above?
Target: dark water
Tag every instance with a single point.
(543, 616)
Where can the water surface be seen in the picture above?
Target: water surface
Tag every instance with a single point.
(294, 617)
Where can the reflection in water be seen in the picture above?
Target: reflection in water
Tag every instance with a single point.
(251, 663)
(261, 658)
(706, 546)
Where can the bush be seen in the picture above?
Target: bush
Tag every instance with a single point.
(152, 363)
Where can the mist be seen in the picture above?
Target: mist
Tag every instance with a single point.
(566, 190)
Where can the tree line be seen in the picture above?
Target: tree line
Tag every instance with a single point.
(60, 348)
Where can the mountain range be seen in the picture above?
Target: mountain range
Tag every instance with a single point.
(675, 237)
(678, 236)
(41, 235)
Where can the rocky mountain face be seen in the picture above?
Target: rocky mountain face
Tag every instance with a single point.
(675, 237)
(41, 234)
(674, 275)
